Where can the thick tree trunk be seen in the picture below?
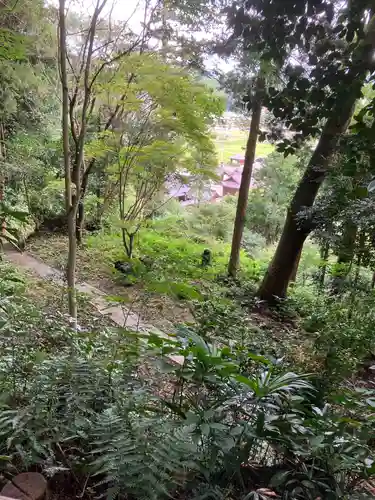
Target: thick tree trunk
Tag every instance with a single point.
(128, 245)
(243, 194)
(293, 276)
(71, 264)
(276, 280)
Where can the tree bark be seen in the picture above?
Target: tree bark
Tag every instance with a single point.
(345, 256)
(2, 175)
(276, 280)
(72, 249)
(293, 276)
(80, 223)
(324, 253)
(347, 247)
(243, 194)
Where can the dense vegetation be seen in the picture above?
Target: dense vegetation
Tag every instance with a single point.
(250, 373)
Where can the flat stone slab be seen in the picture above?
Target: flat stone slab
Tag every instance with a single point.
(119, 314)
(27, 485)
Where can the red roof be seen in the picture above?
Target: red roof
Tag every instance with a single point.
(231, 184)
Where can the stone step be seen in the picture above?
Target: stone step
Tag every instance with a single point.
(25, 486)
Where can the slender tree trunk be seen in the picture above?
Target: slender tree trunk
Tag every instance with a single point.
(80, 225)
(345, 256)
(243, 194)
(324, 252)
(373, 281)
(347, 247)
(2, 175)
(72, 249)
(164, 28)
(98, 193)
(276, 280)
(361, 250)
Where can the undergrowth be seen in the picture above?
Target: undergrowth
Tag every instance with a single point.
(225, 423)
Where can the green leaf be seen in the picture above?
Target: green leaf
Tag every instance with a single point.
(246, 381)
(279, 479)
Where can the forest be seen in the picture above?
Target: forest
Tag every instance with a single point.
(187, 272)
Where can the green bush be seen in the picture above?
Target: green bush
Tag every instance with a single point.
(213, 219)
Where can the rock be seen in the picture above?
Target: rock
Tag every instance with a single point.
(26, 486)
(10, 491)
(127, 269)
(206, 258)
(124, 267)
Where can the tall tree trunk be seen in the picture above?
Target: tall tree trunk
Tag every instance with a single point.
(360, 253)
(293, 276)
(276, 280)
(98, 193)
(164, 30)
(324, 252)
(347, 247)
(2, 174)
(71, 215)
(243, 194)
(80, 224)
(345, 256)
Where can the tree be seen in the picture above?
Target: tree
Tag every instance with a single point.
(273, 189)
(69, 206)
(335, 49)
(243, 194)
(89, 57)
(94, 48)
(27, 62)
(342, 212)
(156, 139)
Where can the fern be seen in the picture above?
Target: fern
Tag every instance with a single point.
(145, 455)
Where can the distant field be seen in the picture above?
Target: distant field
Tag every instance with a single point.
(233, 142)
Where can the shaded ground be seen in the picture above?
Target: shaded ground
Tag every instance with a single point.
(268, 332)
(47, 296)
(159, 310)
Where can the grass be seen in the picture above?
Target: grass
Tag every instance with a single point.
(157, 295)
(233, 142)
(174, 256)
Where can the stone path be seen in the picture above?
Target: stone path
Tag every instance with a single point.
(119, 314)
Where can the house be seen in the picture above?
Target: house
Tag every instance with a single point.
(238, 159)
(229, 184)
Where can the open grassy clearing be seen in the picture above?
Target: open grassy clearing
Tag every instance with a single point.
(232, 142)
